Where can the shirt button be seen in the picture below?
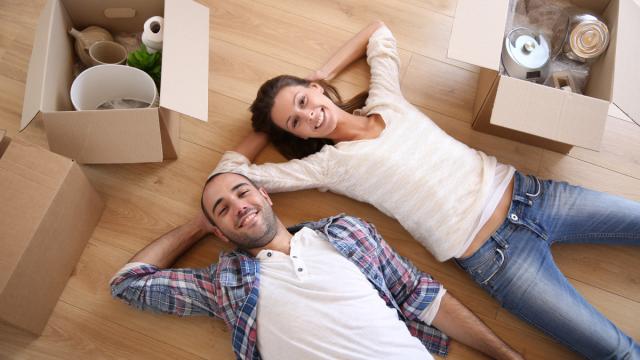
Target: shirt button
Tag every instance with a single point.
(294, 256)
(299, 269)
(268, 253)
(514, 217)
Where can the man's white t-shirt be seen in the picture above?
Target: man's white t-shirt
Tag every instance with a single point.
(316, 304)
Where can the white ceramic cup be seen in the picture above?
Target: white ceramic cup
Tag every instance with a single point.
(102, 83)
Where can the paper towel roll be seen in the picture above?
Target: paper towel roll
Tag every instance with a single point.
(152, 33)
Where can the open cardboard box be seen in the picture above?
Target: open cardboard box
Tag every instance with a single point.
(48, 211)
(541, 115)
(118, 136)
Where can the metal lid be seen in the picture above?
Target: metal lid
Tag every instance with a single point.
(527, 48)
(589, 36)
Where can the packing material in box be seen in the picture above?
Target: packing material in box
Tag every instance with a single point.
(48, 211)
(118, 136)
(541, 115)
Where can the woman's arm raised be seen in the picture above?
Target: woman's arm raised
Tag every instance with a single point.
(352, 50)
(252, 145)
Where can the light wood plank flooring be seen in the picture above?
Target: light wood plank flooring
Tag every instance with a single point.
(251, 41)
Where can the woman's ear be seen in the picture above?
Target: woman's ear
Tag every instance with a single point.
(316, 86)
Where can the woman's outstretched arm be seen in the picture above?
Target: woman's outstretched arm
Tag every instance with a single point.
(352, 50)
(251, 145)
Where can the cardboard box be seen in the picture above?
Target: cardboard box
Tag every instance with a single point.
(118, 136)
(541, 115)
(48, 211)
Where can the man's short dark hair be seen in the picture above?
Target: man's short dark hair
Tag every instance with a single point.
(204, 210)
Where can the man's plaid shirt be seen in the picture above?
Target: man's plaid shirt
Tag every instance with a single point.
(230, 289)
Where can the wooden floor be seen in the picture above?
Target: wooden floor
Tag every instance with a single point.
(251, 41)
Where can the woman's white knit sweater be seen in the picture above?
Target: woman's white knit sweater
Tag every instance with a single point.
(434, 185)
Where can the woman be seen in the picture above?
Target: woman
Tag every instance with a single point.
(497, 223)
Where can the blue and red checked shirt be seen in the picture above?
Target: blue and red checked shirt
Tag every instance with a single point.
(230, 289)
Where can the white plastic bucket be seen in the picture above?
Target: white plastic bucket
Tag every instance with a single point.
(102, 83)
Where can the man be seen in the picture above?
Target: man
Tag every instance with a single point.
(324, 290)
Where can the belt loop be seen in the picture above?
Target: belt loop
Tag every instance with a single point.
(499, 240)
(538, 188)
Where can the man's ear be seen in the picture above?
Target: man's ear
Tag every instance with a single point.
(264, 194)
(216, 231)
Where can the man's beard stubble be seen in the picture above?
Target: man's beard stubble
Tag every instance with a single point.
(247, 242)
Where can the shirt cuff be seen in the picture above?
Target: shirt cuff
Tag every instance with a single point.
(430, 312)
(126, 268)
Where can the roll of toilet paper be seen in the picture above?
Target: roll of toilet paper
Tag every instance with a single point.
(152, 33)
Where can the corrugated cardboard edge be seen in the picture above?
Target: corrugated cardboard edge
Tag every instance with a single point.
(70, 222)
(185, 59)
(34, 87)
(477, 32)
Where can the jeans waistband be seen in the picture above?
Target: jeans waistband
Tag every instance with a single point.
(525, 189)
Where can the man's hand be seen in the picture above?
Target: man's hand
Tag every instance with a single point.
(204, 224)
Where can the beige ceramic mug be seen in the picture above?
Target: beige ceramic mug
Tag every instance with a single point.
(107, 52)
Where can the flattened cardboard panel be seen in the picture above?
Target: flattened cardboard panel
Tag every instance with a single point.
(92, 12)
(170, 131)
(482, 123)
(34, 87)
(478, 29)
(52, 254)
(105, 136)
(550, 113)
(185, 78)
(626, 83)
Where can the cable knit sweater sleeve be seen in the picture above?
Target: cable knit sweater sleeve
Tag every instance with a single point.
(382, 57)
(298, 174)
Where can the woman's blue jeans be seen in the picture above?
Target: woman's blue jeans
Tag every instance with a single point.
(516, 266)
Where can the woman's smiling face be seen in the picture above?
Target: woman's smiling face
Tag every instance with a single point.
(305, 111)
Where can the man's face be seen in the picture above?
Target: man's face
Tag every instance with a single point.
(242, 213)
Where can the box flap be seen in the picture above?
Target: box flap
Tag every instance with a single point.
(549, 113)
(185, 58)
(34, 88)
(477, 32)
(105, 136)
(626, 77)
